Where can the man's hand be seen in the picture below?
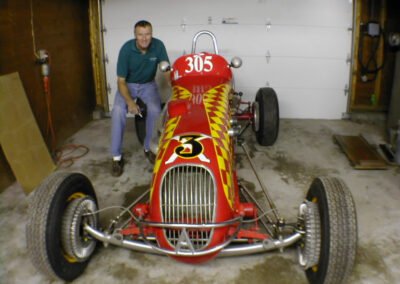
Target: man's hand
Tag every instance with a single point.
(133, 107)
(124, 91)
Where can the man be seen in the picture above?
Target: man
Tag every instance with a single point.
(136, 68)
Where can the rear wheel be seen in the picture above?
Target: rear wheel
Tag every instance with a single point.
(266, 116)
(56, 241)
(328, 218)
(140, 122)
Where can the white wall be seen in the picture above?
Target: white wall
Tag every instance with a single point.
(298, 47)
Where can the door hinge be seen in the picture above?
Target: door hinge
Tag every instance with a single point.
(268, 56)
(346, 90)
(268, 24)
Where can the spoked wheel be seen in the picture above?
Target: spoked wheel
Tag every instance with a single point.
(328, 219)
(266, 116)
(56, 241)
(140, 122)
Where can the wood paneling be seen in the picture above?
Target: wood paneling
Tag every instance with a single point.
(374, 95)
(61, 28)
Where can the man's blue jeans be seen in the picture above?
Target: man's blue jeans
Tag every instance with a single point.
(148, 93)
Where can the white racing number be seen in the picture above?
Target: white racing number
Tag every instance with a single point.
(199, 63)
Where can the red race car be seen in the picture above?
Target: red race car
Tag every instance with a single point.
(196, 208)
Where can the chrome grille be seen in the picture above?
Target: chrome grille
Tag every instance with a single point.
(188, 197)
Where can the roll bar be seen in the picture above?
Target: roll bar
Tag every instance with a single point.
(204, 32)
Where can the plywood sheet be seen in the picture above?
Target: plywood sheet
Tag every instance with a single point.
(20, 137)
(360, 153)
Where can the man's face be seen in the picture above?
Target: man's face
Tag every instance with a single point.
(143, 37)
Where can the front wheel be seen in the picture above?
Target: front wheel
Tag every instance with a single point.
(266, 116)
(328, 220)
(57, 243)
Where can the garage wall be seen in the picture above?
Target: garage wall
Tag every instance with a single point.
(300, 48)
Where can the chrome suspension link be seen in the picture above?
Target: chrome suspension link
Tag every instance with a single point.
(263, 187)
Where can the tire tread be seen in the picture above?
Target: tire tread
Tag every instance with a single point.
(343, 230)
(36, 227)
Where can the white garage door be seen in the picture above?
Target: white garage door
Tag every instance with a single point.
(298, 47)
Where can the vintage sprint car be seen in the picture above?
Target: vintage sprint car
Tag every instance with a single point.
(196, 207)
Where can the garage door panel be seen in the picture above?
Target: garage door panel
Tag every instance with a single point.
(279, 41)
(311, 103)
(305, 103)
(282, 41)
(325, 13)
(294, 46)
(292, 72)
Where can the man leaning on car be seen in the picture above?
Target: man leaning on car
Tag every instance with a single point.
(136, 69)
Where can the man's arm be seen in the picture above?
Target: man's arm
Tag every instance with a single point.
(124, 91)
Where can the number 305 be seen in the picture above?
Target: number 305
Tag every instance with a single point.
(199, 64)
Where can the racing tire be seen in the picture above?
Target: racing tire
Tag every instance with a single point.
(56, 210)
(338, 231)
(267, 118)
(140, 122)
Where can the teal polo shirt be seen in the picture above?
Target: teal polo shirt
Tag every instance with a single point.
(137, 67)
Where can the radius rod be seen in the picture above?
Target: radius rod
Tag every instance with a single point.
(264, 189)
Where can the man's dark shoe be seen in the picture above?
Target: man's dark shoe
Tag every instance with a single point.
(117, 168)
(150, 156)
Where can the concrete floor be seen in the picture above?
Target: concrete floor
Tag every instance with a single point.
(304, 150)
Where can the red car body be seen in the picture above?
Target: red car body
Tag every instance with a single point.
(195, 147)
